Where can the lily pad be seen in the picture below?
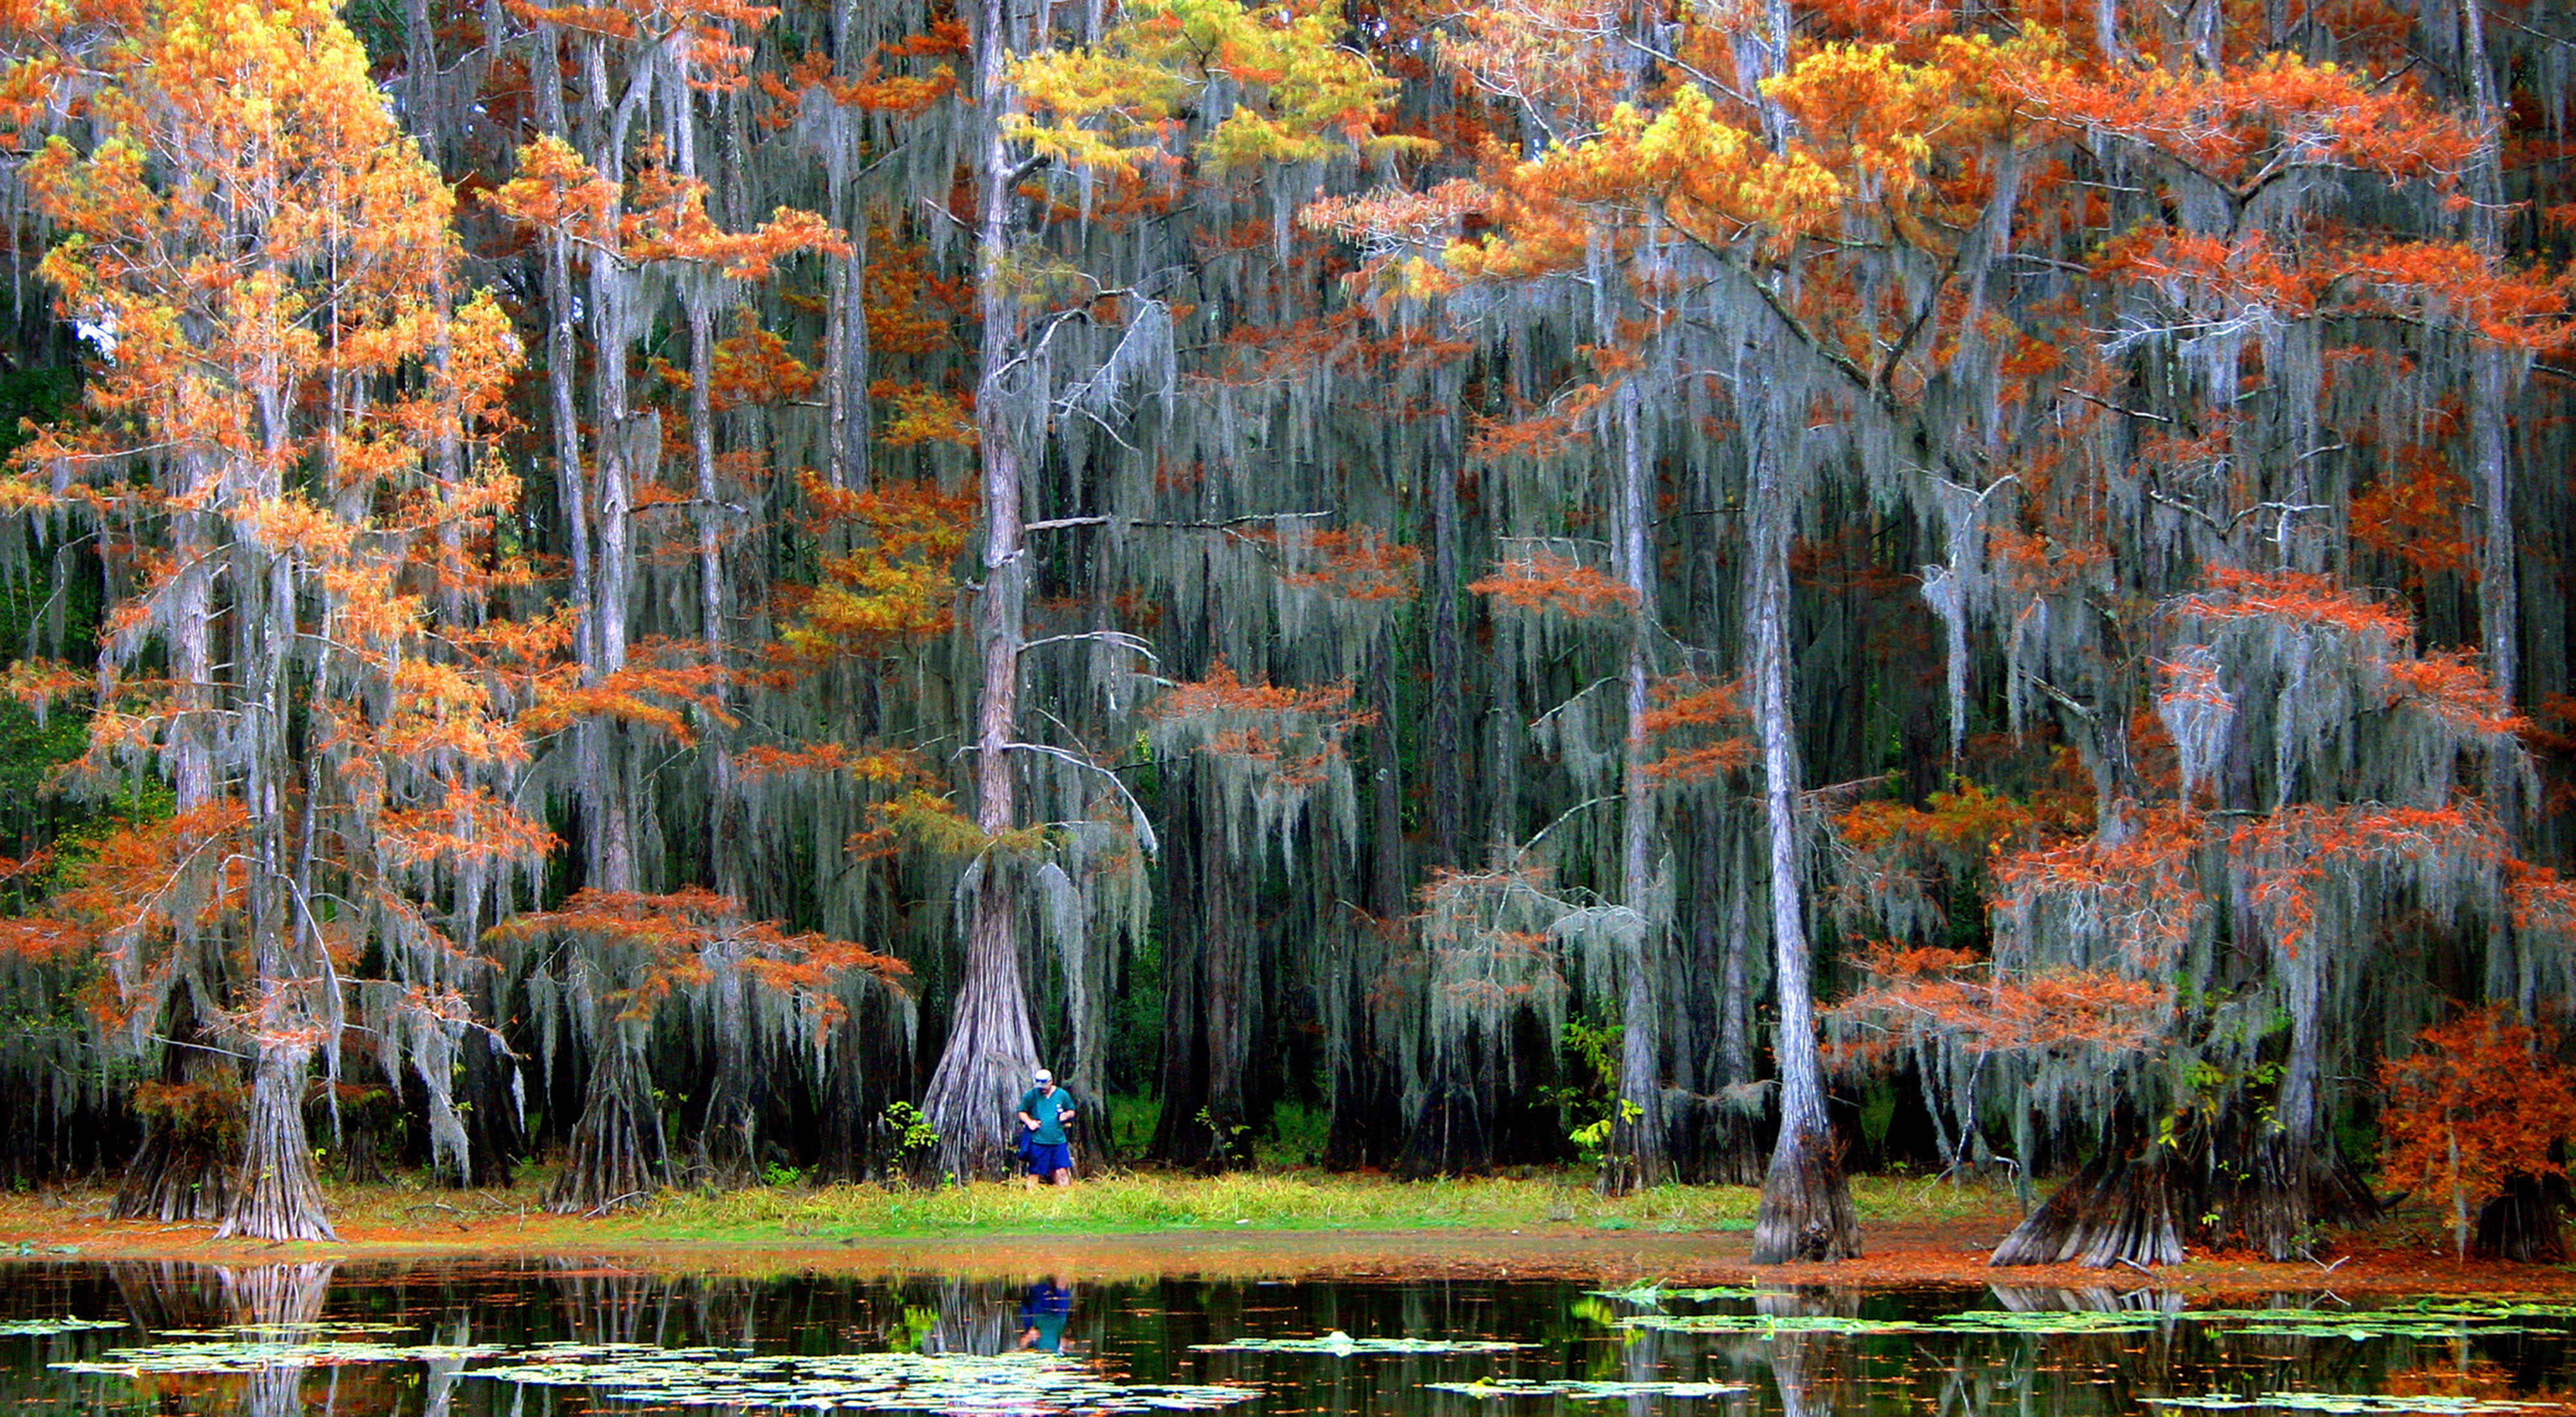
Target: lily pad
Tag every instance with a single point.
(257, 1357)
(1772, 1323)
(1585, 1390)
(1342, 1345)
(870, 1382)
(39, 1328)
(1655, 1296)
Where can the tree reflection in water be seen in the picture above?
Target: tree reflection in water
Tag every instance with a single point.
(394, 1341)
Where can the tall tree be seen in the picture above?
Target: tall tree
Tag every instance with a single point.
(1140, 96)
(259, 251)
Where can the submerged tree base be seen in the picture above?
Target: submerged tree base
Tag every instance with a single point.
(2136, 1202)
(171, 1182)
(2290, 1200)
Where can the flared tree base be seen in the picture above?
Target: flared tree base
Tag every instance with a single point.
(2138, 1202)
(1806, 1210)
(171, 1180)
(276, 1195)
(2285, 1208)
(2117, 1210)
(2523, 1224)
(617, 1155)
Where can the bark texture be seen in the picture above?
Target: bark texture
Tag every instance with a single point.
(618, 1155)
(276, 1196)
(2120, 1209)
(1806, 1209)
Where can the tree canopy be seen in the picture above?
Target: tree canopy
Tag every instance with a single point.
(689, 589)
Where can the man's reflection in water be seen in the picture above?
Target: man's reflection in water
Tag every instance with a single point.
(1044, 1311)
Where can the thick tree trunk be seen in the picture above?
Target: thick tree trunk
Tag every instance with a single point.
(2292, 1185)
(2126, 1206)
(990, 1052)
(1208, 1014)
(2523, 1224)
(1363, 1089)
(1806, 1211)
(990, 1049)
(1180, 1139)
(276, 1196)
(1636, 1155)
(183, 1170)
(493, 1114)
(2289, 1180)
(725, 856)
(617, 1155)
(1444, 743)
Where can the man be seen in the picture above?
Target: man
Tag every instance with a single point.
(1044, 1109)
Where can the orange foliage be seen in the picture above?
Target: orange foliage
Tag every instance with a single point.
(1541, 582)
(681, 940)
(656, 696)
(2413, 515)
(1291, 736)
(1360, 565)
(753, 366)
(2481, 1100)
(1963, 998)
(1687, 712)
(2139, 882)
(2291, 853)
(2297, 598)
(895, 585)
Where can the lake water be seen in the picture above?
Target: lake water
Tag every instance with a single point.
(543, 1336)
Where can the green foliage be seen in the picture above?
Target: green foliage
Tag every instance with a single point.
(1589, 1099)
(1296, 1137)
(912, 1133)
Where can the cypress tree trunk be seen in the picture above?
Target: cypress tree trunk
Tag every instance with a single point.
(1444, 745)
(1363, 1094)
(1205, 1013)
(275, 1194)
(183, 1169)
(1806, 1211)
(1636, 1155)
(1179, 1138)
(2126, 1206)
(493, 1112)
(2294, 1179)
(617, 1153)
(2522, 1224)
(990, 1049)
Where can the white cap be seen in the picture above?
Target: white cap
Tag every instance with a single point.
(1045, 1076)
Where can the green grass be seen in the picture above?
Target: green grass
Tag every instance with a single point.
(1244, 1202)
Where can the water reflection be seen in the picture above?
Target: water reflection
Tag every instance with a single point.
(285, 1340)
(1044, 1311)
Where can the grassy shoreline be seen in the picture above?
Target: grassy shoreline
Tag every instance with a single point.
(1272, 1224)
(1138, 1203)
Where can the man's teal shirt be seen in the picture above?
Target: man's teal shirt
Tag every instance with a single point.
(1044, 1106)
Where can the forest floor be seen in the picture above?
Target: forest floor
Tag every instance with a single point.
(1284, 1226)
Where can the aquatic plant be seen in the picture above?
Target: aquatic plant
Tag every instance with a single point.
(1342, 1345)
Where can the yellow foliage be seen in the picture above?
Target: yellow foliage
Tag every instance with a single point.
(1119, 104)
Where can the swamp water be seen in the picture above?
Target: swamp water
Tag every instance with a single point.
(526, 1338)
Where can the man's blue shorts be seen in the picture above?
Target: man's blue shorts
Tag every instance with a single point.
(1046, 1159)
